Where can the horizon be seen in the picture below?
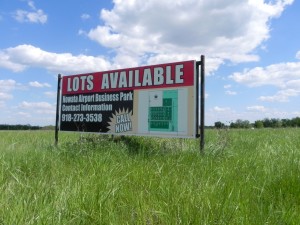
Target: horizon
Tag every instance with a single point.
(252, 52)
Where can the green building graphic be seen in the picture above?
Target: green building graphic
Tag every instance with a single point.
(163, 111)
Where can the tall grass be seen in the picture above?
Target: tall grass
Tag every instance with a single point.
(244, 177)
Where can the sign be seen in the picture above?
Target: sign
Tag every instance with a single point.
(157, 100)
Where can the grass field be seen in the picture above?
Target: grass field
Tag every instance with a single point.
(244, 177)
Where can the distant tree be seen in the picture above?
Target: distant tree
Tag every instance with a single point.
(295, 122)
(233, 125)
(258, 124)
(246, 124)
(219, 125)
(243, 123)
(275, 123)
(18, 127)
(49, 127)
(267, 122)
(240, 124)
(286, 123)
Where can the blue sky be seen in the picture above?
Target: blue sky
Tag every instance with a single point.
(252, 51)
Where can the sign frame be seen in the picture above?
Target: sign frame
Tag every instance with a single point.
(162, 104)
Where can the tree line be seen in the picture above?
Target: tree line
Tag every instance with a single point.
(267, 123)
(18, 127)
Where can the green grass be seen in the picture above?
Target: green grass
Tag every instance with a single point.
(244, 177)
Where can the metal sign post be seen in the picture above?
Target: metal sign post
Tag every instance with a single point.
(57, 108)
(200, 65)
(202, 103)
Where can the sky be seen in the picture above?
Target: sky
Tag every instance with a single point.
(251, 47)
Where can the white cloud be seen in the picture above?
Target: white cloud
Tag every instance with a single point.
(38, 110)
(7, 85)
(221, 109)
(284, 76)
(281, 96)
(38, 84)
(33, 16)
(277, 75)
(26, 112)
(36, 105)
(31, 5)
(22, 56)
(104, 36)
(6, 62)
(217, 113)
(2, 104)
(298, 55)
(5, 96)
(296, 113)
(23, 114)
(294, 84)
(85, 16)
(257, 108)
(160, 31)
(50, 94)
(231, 92)
(49, 112)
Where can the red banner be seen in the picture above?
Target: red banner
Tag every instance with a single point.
(147, 77)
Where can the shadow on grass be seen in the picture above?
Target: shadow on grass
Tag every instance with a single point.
(140, 145)
(131, 145)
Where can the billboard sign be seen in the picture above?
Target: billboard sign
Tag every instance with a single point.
(156, 100)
